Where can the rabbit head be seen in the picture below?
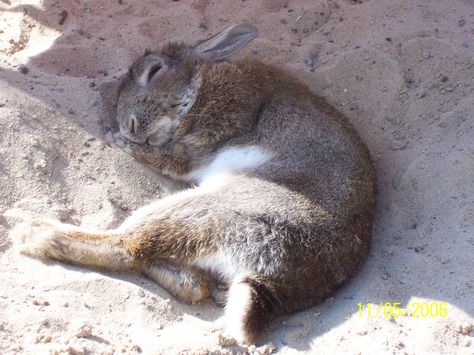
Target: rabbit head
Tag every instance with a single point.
(162, 86)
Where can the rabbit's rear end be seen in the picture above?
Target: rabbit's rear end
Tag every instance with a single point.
(283, 206)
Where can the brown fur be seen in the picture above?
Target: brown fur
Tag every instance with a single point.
(293, 229)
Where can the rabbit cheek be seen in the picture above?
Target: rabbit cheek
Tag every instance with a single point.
(157, 139)
(163, 131)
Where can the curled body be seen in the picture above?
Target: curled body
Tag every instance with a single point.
(281, 193)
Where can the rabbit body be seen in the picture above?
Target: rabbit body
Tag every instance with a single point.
(284, 190)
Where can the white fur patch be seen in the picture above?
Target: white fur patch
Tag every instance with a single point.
(238, 304)
(228, 161)
(220, 264)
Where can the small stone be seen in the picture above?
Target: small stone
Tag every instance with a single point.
(465, 45)
(422, 94)
(398, 344)
(44, 339)
(71, 350)
(24, 69)
(362, 332)
(92, 84)
(444, 78)
(136, 348)
(63, 214)
(62, 17)
(254, 51)
(226, 341)
(267, 349)
(466, 328)
(309, 61)
(284, 21)
(84, 331)
(461, 22)
(467, 343)
(71, 111)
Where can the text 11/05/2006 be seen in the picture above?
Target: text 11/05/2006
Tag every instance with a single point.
(417, 309)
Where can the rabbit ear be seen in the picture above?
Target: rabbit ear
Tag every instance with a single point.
(226, 43)
(147, 67)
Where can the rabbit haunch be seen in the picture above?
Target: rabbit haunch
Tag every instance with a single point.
(283, 208)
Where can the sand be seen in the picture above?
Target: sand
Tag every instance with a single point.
(402, 71)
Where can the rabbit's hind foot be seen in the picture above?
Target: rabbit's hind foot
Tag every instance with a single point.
(53, 240)
(187, 284)
(35, 238)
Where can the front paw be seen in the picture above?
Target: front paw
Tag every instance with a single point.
(118, 140)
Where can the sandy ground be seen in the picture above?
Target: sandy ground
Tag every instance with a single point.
(402, 71)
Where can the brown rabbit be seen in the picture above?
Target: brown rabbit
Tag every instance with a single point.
(283, 200)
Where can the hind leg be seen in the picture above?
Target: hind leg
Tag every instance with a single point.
(187, 284)
(107, 250)
(165, 229)
(252, 303)
(53, 240)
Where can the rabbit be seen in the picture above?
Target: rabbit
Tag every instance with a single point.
(281, 187)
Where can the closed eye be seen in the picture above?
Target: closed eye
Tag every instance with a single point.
(132, 124)
(184, 104)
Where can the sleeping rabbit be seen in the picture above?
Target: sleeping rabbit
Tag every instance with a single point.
(281, 193)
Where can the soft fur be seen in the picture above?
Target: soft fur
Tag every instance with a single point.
(283, 206)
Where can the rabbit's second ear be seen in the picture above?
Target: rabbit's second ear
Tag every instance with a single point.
(226, 43)
(147, 67)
